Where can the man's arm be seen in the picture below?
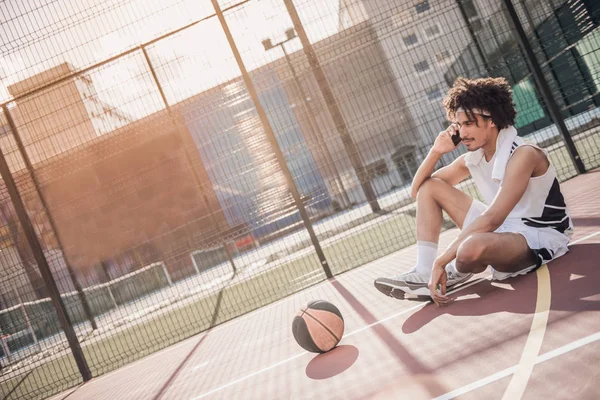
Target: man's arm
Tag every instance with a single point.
(452, 174)
(516, 178)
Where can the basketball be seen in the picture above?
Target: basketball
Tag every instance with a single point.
(318, 327)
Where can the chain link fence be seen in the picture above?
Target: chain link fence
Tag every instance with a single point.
(171, 165)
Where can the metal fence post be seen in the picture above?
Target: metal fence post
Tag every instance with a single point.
(45, 271)
(272, 140)
(86, 306)
(538, 75)
(334, 109)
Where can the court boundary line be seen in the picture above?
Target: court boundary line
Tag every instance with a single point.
(591, 235)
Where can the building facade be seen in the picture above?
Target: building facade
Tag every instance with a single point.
(420, 39)
(63, 116)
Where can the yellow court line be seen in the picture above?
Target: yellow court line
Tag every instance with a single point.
(520, 378)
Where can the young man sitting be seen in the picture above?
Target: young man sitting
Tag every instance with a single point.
(523, 222)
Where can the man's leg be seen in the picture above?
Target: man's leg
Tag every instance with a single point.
(506, 252)
(434, 196)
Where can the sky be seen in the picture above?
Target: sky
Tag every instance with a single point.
(38, 34)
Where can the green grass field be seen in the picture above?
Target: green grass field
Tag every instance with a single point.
(364, 244)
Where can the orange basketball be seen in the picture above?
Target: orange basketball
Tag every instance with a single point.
(318, 327)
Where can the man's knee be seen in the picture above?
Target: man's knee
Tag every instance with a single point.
(469, 254)
(428, 188)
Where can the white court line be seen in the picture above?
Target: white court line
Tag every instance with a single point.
(204, 364)
(511, 370)
(585, 238)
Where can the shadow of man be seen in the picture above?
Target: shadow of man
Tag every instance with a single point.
(574, 286)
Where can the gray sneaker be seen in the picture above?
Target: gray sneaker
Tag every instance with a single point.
(412, 282)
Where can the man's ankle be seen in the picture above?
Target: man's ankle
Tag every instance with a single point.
(426, 255)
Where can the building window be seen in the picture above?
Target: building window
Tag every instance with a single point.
(432, 31)
(434, 93)
(422, 6)
(443, 56)
(469, 8)
(422, 66)
(410, 40)
(377, 168)
(4, 130)
(402, 18)
(476, 24)
(404, 159)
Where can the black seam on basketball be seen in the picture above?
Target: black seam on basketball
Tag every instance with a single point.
(325, 306)
(323, 325)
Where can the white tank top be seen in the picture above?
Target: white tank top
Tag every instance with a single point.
(542, 205)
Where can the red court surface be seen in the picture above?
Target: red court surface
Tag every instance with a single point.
(535, 336)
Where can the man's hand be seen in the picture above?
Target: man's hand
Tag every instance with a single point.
(443, 143)
(439, 278)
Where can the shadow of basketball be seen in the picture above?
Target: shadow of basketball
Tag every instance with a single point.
(332, 363)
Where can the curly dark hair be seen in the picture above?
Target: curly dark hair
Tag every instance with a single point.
(491, 94)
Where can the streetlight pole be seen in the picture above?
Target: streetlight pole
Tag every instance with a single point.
(268, 45)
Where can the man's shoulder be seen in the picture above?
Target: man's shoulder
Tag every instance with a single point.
(529, 151)
(527, 157)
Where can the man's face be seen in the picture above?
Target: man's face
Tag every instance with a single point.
(474, 133)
